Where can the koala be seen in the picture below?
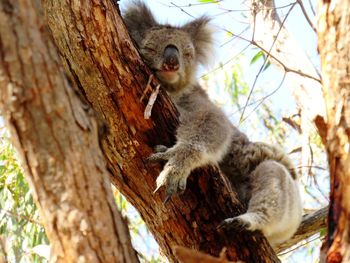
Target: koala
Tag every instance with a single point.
(262, 174)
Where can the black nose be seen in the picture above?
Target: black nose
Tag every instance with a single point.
(171, 58)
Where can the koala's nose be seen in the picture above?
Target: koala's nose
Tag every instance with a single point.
(171, 58)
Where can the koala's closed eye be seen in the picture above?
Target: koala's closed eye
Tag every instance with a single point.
(149, 49)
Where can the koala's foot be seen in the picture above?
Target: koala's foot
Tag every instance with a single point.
(237, 223)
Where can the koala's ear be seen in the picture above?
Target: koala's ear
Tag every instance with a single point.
(202, 36)
(138, 19)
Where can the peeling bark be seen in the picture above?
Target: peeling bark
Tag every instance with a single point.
(334, 39)
(57, 142)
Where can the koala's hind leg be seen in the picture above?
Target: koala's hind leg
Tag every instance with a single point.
(275, 206)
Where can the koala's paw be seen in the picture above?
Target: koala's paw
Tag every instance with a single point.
(173, 178)
(236, 223)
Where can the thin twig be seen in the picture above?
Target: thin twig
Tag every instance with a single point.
(175, 5)
(18, 216)
(264, 98)
(234, 37)
(265, 61)
(302, 245)
(312, 8)
(262, 9)
(306, 15)
(311, 166)
(225, 63)
(195, 4)
(289, 69)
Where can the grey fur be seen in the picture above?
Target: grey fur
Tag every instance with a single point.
(262, 174)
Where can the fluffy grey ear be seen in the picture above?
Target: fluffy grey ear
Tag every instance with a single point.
(202, 37)
(138, 19)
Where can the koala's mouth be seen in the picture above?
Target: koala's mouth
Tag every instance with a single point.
(169, 76)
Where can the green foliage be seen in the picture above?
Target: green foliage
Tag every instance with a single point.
(22, 236)
(260, 55)
(235, 86)
(208, 1)
(257, 56)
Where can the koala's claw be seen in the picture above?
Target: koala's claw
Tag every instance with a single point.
(173, 179)
(166, 200)
(234, 223)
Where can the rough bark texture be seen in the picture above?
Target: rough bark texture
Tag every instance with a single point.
(58, 143)
(98, 53)
(334, 39)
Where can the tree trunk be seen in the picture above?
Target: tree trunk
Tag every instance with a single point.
(334, 39)
(58, 143)
(98, 53)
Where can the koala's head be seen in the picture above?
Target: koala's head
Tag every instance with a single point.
(172, 52)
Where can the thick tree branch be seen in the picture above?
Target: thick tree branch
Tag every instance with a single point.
(312, 224)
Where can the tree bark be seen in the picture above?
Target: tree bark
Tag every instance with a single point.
(58, 143)
(334, 39)
(103, 62)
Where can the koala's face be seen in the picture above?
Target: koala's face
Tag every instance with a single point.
(170, 52)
